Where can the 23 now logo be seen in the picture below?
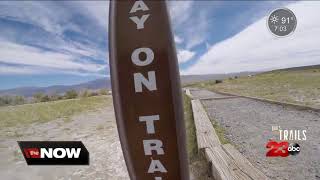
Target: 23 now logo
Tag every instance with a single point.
(282, 149)
(54, 152)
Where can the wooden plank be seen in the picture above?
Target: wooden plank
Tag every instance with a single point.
(243, 163)
(206, 135)
(218, 98)
(224, 167)
(202, 120)
(188, 93)
(201, 141)
(219, 167)
(207, 140)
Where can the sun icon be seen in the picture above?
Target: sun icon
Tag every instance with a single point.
(274, 19)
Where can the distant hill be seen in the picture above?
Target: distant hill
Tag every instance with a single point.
(105, 83)
(30, 91)
(188, 79)
(298, 85)
(298, 68)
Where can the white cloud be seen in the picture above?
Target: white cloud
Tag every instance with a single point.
(5, 70)
(180, 11)
(17, 54)
(185, 55)
(190, 21)
(178, 39)
(66, 55)
(52, 16)
(255, 48)
(97, 9)
(38, 70)
(196, 31)
(42, 14)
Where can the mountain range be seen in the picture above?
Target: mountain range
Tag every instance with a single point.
(104, 83)
(59, 89)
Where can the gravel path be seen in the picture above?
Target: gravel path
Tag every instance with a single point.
(97, 130)
(248, 126)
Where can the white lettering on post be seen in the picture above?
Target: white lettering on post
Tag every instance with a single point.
(156, 166)
(153, 145)
(140, 22)
(139, 6)
(149, 122)
(149, 83)
(135, 56)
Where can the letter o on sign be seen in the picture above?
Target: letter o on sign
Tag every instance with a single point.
(136, 58)
(61, 151)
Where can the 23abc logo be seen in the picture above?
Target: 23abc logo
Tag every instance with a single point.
(282, 149)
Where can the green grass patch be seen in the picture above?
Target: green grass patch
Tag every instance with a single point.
(299, 86)
(190, 128)
(202, 84)
(43, 112)
(221, 132)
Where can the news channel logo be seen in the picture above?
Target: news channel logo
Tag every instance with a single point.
(54, 152)
(280, 146)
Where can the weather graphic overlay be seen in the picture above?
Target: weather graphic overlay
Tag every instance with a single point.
(282, 22)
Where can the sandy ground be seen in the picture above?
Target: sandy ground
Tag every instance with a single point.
(97, 130)
(248, 126)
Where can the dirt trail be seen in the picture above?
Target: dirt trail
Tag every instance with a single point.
(97, 130)
(248, 126)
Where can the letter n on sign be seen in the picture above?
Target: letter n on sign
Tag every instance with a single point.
(146, 90)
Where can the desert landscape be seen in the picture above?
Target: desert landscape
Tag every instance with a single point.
(244, 122)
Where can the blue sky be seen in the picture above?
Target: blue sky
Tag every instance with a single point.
(46, 43)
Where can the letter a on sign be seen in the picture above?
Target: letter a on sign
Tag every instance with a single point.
(146, 90)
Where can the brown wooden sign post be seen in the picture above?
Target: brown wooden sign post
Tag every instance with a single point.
(146, 90)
